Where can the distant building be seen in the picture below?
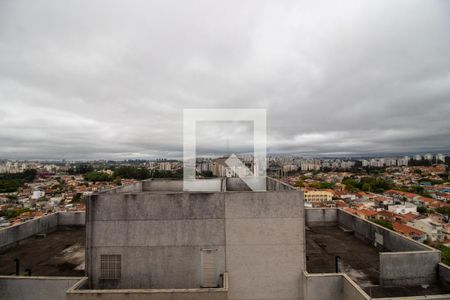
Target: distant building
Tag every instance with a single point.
(403, 209)
(165, 166)
(37, 194)
(221, 169)
(432, 228)
(317, 197)
(410, 232)
(428, 156)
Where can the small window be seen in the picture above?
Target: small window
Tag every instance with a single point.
(110, 266)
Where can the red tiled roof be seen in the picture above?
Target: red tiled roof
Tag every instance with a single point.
(351, 210)
(366, 212)
(406, 230)
(408, 217)
(406, 194)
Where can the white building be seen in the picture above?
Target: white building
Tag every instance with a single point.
(403, 209)
(37, 194)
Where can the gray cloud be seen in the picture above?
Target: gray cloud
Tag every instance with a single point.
(105, 79)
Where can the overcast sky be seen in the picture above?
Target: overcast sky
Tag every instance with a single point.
(91, 79)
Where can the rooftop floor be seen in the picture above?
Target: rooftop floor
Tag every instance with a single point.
(360, 261)
(60, 253)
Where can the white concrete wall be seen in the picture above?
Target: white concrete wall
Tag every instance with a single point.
(35, 288)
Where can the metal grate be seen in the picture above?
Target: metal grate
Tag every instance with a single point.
(110, 266)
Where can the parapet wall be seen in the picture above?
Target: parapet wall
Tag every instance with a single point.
(11, 235)
(219, 184)
(321, 216)
(403, 262)
(36, 288)
(444, 275)
(377, 235)
(408, 268)
(334, 286)
(77, 218)
(79, 292)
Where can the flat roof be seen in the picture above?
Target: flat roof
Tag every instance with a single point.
(59, 253)
(359, 260)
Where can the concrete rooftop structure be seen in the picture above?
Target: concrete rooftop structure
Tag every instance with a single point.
(159, 237)
(372, 262)
(151, 240)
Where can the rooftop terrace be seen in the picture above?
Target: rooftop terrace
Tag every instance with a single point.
(59, 253)
(359, 260)
(381, 262)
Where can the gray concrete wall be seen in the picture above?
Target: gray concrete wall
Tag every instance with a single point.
(321, 216)
(131, 188)
(158, 235)
(351, 291)
(200, 294)
(367, 231)
(79, 292)
(35, 288)
(265, 246)
(336, 286)
(162, 185)
(409, 268)
(11, 235)
(72, 218)
(277, 185)
(236, 184)
(427, 297)
(314, 286)
(444, 275)
(259, 237)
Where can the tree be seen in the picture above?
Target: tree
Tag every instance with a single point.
(10, 183)
(97, 176)
(445, 253)
(422, 210)
(384, 223)
(445, 211)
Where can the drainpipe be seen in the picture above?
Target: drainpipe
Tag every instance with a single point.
(17, 266)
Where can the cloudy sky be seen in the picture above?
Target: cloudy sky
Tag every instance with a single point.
(91, 79)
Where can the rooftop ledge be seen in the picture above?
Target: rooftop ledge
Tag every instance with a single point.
(79, 289)
(212, 185)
